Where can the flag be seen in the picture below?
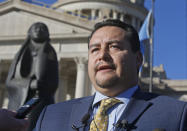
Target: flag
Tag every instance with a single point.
(144, 32)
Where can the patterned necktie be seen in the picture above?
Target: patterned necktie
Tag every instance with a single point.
(100, 121)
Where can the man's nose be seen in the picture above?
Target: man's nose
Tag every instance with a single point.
(104, 55)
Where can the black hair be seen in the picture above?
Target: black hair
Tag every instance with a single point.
(131, 33)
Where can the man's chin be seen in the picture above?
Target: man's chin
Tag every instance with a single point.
(107, 83)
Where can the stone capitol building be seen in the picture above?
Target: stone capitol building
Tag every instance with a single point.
(70, 23)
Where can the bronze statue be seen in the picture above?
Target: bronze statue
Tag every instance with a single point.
(34, 70)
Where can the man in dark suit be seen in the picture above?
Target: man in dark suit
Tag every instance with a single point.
(118, 104)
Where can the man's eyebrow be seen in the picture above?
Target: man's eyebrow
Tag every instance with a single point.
(93, 45)
(108, 42)
(112, 41)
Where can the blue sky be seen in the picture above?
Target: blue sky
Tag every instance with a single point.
(170, 36)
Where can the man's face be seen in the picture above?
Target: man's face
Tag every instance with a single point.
(39, 32)
(112, 66)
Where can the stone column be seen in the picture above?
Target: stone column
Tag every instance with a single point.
(62, 89)
(121, 16)
(62, 85)
(4, 67)
(100, 14)
(78, 13)
(93, 13)
(81, 82)
(1, 86)
(115, 14)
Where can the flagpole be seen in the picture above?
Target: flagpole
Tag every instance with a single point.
(151, 49)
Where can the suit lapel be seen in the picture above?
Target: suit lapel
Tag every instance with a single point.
(80, 109)
(135, 108)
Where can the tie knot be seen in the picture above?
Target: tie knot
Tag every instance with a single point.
(107, 104)
(100, 121)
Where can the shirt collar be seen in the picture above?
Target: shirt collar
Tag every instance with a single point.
(123, 97)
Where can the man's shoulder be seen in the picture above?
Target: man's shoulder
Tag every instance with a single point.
(160, 99)
(69, 103)
(167, 100)
(61, 115)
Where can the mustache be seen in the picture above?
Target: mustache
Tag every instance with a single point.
(112, 65)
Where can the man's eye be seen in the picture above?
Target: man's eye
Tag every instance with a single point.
(115, 47)
(94, 50)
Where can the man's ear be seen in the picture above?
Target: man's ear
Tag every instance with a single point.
(139, 59)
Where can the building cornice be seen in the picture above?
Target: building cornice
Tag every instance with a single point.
(120, 2)
(165, 84)
(52, 36)
(17, 5)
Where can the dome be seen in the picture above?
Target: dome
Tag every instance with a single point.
(131, 11)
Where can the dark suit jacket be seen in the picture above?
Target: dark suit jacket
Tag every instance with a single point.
(144, 112)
